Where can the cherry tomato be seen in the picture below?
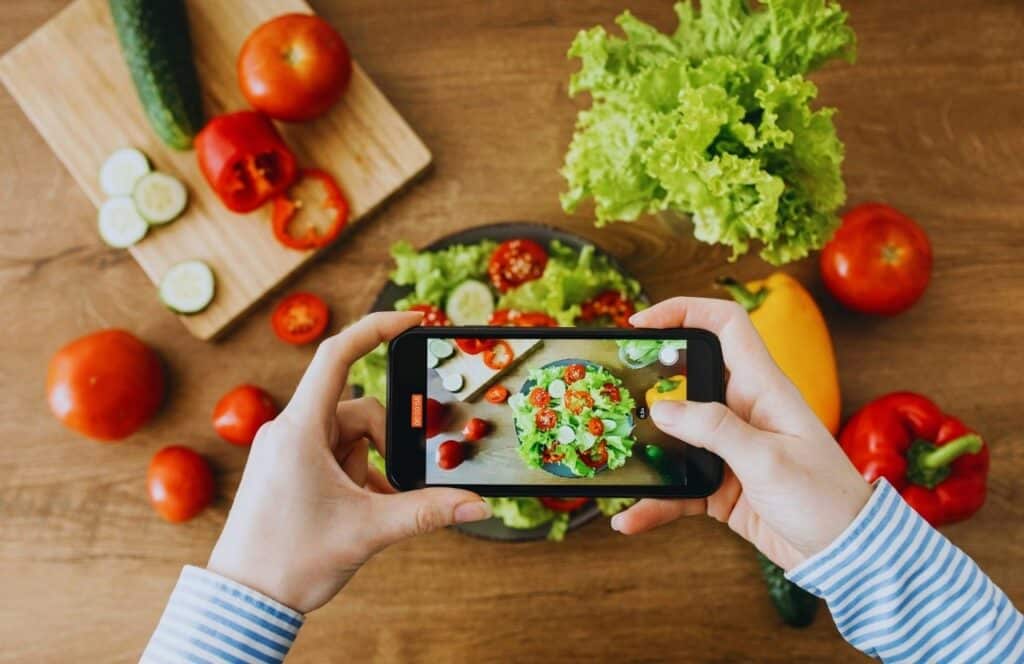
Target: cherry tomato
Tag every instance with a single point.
(450, 454)
(545, 419)
(609, 304)
(499, 356)
(475, 346)
(179, 482)
(879, 262)
(612, 392)
(539, 397)
(312, 213)
(497, 394)
(475, 429)
(516, 318)
(436, 417)
(595, 426)
(300, 318)
(294, 67)
(564, 504)
(241, 412)
(105, 385)
(515, 262)
(597, 456)
(576, 401)
(432, 316)
(573, 373)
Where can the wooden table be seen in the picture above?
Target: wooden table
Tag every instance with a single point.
(931, 116)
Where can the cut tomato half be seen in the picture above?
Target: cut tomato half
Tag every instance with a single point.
(300, 318)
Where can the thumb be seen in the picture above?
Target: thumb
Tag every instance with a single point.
(398, 516)
(714, 427)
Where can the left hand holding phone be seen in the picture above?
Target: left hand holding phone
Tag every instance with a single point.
(309, 512)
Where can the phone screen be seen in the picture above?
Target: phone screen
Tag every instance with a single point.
(543, 412)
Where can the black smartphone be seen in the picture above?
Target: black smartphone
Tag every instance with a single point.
(561, 412)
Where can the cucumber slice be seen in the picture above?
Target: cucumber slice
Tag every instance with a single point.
(122, 170)
(159, 197)
(453, 382)
(432, 360)
(470, 303)
(440, 348)
(120, 224)
(566, 435)
(556, 389)
(188, 287)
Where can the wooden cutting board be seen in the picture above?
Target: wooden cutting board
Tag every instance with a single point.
(476, 375)
(71, 80)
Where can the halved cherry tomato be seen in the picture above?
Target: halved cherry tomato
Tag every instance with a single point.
(475, 346)
(609, 304)
(516, 318)
(564, 504)
(475, 429)
(300, 318)
(497, 394)
(179, 482)
(450, 454)
(577, 400)
(612, 392)
(241, 412)
(539, 397)
(597, 456)
(515, 262)
(312, 213)
(573, 373)
(595, 426)
(499, 356)
(436, 417)
(545, 419)
(432, 316)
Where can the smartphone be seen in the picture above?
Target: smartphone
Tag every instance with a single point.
(561, 412)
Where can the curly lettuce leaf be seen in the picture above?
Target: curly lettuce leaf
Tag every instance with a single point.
(370, 373)
(433, 274)
(612, 506)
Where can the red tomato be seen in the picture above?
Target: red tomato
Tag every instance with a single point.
(450, 454)
(515, 262)
(294, 67)
(609, 304)
(573, 373)
(300, 318)
(539, 397)
(564, 504)
(545, 419)
(105, 385)
(312, 213)
(475, 346)
(241, 412)
(499, 356)
(475, 429)
(432, 316)
(612, 392)
(597, 456)
(180, 483)
(879, 261)
(577, 400)
(516, 318)
(497, 394)
(595, 426)
(436, 417)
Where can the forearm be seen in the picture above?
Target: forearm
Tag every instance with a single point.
(900, 591)
(212, 619)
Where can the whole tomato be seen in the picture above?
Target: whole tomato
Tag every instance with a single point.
(105, 385)
(294, 67)
(241, 412)
(179, 482)
(879, 261)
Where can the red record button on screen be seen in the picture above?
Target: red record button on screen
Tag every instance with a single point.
(416, 414)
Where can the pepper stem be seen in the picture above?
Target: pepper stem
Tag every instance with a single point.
(946, 454)
(747, 299)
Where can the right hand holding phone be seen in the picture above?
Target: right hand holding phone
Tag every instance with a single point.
(788, 488)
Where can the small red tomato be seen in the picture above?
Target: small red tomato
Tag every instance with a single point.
(545, 419)
(475, 429)
(515, 262)
(539, 397)
(573, 373)
(432, 316)
(564, 504)
(241, 412)
(595, 426)
(497, 394)
(436, 417)
(179, 482)
(450, 454)
(612, 392)
(300, 318)
(879, 262)
(577, 400)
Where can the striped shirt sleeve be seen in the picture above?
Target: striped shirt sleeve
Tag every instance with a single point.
(900, 591)
(210, 619)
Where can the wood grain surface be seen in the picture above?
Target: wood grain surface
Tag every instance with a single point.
(71, 81)
(931, 116)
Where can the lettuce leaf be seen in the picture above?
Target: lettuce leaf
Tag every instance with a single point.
(433, 274)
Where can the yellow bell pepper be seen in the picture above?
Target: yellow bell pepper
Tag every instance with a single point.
(795, 333)
(672, 388)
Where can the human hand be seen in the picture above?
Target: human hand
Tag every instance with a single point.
(788, 488)
(309, 512)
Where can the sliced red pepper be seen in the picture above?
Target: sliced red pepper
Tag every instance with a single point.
(311, 213)
(564, 504)
(244, 159)
(499, 356)
(475, 346)
(300, 318)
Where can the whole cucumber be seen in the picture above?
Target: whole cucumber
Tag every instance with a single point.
(156, 45)
(796, 606)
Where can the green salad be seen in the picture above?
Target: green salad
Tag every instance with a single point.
(577, 415)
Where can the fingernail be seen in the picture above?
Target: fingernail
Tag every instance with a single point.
(662, 411)
(476, 510)
(617, 523)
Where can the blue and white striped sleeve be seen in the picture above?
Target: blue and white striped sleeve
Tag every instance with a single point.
(210, 619)
(900, 591)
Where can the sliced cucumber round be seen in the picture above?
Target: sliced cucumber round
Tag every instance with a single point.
(120, 223)
(440, 348)
(453, 382)
(432, 360)
(159, 197)
(122, 170)
(188, 287)
(470, 303)
(556, 389)
(566, 435)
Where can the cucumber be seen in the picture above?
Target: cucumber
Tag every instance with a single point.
(432, 360)
(156, 45)
(556, 389)
(566, 435)
(159, 198)
(470, 303)
(440, 349)
(188, 287)
(120, 224)
(122, 170)
(453, 382)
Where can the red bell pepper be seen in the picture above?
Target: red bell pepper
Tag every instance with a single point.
(311, 213)
(937, 464)
(244, 159)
